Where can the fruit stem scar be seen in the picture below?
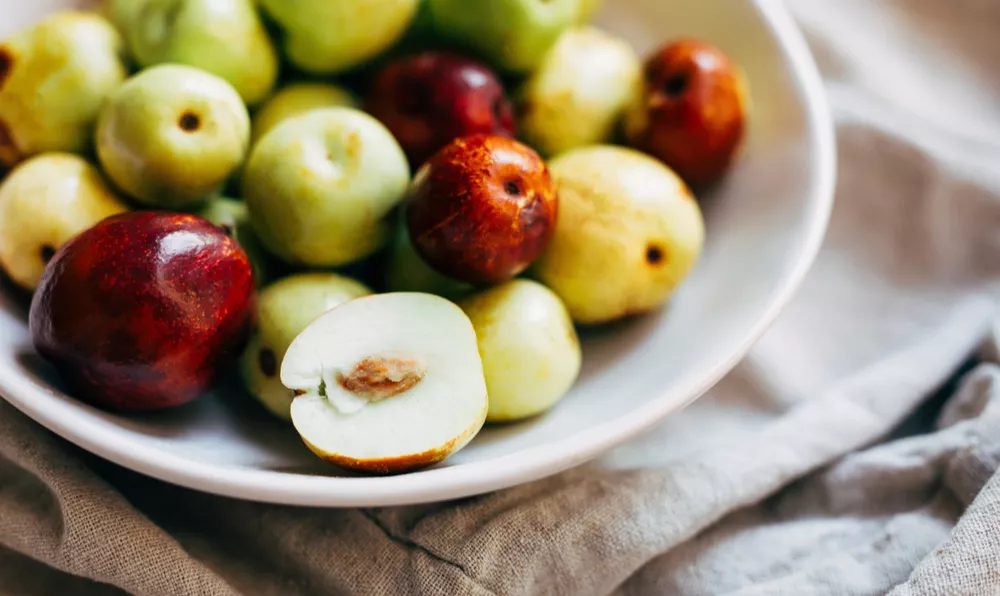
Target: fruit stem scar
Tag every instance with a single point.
(189, 121)
(378, 378)
(654, 254)
(6, 64)
(676, 85)
(268, 362)
(47, 252)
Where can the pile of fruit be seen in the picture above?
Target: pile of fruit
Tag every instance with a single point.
(392, 213)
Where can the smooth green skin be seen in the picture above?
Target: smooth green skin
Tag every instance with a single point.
(579, 92)
(512, 34)
(61, 72)
(233, 215)
(285, 308)
(146, 152)
(121, 13)
(406, 271)
(321, 186)
(614, 205)
(331, 36)
(223, 37)
(46, 201)
(530, 350)
(296, 100)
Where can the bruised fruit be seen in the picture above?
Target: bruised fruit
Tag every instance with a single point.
(321, 187)
(629, 232)
(54, 79)
(693, 110)
(233, 218)
(222, 37)
(331, 36)
(47, 200)
(579, 92)
(482, 209)
(172, 135)
(387, 383)
(426, 100)
(513, 35)
(295, 100)
(144, 310)
(530, 350)
(284, 309)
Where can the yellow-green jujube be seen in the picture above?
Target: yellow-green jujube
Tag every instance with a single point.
(320, 187)
(629, 232)
(55, 78)
(172, 135)
(530, 350)
(45, 202)
(222, 37)
(579, 92)
(331, 36)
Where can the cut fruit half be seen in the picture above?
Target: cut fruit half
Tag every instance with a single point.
(387, 383)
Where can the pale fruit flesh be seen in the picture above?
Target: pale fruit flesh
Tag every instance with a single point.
(45, 202)
(530, 350)
(422, 347)
(629, 233)
(284, 309)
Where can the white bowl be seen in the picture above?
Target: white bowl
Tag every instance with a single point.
(764, 228)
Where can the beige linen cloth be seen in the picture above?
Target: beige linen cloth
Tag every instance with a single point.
(853, 452)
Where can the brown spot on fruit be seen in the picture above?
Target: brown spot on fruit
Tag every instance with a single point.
(654, 254)
(228, 229)
(268, 362)
(6, 65)
(381, 378)
(47, 252)
(189, 121)
(10, 155)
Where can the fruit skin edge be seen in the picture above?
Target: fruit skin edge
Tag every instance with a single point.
(405, 463)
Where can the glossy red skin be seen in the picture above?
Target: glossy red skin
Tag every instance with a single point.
(142, 311)
(462, 218)
(426, 100)
(698, 130)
